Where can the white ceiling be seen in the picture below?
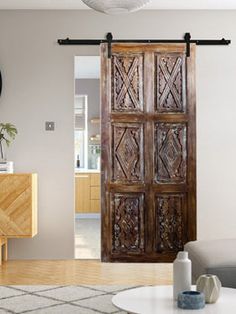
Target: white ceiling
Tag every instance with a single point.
(155, 4)
(87, 67)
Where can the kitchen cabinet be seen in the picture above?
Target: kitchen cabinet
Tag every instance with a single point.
(87, 192)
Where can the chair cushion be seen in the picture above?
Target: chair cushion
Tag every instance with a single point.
(216, 257)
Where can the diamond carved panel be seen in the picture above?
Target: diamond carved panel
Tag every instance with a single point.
(170, 87)
(128, 223)
(127, 82)
(170, 221)
(170, 152)
(127, 152)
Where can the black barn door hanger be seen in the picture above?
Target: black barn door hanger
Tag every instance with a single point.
(109, 40)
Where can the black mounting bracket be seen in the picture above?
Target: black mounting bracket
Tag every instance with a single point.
(187, 38)
(109, 40)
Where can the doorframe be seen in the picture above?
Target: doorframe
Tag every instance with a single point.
(95, 215)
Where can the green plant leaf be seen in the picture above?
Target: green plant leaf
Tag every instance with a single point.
(8, 132)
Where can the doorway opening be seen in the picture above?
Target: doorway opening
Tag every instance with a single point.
(87, 157)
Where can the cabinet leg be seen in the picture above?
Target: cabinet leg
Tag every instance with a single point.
(1, 243)
(5, 251)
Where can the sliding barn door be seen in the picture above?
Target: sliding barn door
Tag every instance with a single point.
(148, 152)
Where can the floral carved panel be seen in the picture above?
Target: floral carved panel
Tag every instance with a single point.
(128, 223)
(170, 222)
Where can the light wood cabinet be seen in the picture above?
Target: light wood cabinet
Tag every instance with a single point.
(95, 179)
(95, 206)
(18, 205)
(82, 193)
(95, 192)
(87, 193)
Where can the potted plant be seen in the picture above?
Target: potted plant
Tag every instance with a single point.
(7, 134)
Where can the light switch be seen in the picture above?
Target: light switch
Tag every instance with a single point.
(49, 126)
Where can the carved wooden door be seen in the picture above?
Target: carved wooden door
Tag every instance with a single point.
(148, 152)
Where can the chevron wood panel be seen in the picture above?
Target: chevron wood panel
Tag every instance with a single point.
(18, 205)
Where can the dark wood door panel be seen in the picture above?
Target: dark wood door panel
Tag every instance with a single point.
(144, 117)
(170, 83)
(129, 188)
(127, 82)
(127, 153)
(170, 188)
(170, 153)
(127, 228)
(132, 48)
(171, 221)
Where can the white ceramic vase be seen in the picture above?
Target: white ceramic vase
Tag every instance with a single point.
(182, 274)
(210, 285)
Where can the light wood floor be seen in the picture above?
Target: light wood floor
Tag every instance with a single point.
(76, 272)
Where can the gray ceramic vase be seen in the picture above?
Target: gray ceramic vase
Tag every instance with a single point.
(210, 285)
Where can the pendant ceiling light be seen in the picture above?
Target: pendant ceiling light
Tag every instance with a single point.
(116, 6)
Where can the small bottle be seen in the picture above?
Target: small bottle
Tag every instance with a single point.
(77, 162)
(182, 274)
(98, 163)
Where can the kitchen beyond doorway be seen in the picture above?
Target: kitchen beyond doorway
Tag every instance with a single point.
(87, 157)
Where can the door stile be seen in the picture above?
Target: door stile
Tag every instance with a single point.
(105, 154)
(192, 175)
(150, 236)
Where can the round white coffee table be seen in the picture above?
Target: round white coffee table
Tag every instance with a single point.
(159, 300)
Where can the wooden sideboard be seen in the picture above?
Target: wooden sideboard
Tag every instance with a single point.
(18, 206)
(87, 192)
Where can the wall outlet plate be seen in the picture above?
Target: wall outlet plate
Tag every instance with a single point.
(49, 126)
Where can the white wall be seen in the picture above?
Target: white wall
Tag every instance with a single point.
(39, 86)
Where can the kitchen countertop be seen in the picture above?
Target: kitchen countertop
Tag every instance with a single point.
(83, 170)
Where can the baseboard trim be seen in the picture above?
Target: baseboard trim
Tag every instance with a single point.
(88, 216)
